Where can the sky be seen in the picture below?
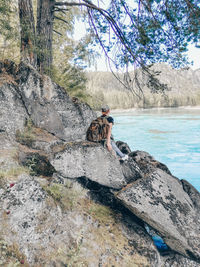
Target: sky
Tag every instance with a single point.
(80, 31)
(193, 52)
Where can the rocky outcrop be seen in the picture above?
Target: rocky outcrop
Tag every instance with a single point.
(68, 202)
(145, 186)
(25, 94)
(51, 108)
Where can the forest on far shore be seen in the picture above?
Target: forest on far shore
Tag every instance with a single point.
(183, 90)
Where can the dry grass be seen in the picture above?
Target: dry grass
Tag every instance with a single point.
(13, 172)
(68, 196)
(103, 237)
(10, 256)
(110, 240)
(7, 79)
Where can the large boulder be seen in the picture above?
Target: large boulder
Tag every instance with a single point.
(90, 160)
(159, 200)
(51, 108)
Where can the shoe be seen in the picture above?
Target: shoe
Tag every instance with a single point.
(124, 158)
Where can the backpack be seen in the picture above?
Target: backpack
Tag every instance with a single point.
(98, 130)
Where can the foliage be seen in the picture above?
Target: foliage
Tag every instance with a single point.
(9, 29)
(137, 33)
(5, 23)
(67, 74)
(70, 56)
(149, 31)
(140, 33)
(26, 137)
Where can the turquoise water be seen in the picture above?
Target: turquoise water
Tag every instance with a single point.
(171, 136)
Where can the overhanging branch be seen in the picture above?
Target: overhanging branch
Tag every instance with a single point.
(61, 10)
(57, 32)
(116, 30)
(61, 19)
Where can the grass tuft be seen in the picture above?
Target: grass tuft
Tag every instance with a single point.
(26, 137)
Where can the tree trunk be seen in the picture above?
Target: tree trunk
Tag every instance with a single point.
(27, 25)
(45, 16)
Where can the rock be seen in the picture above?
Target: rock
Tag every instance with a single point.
(37, 139)
(131, 170)
(147, 163)
(90, 160)
(35, 225)
(176, 260)
(12, 114)
(57, 221)
(124, 147)
(51, 108)
(61, 226)
(160, 201)
(192, 193)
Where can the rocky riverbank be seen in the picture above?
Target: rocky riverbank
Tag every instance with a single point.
(69, 202)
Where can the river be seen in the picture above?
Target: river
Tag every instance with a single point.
(170, 135)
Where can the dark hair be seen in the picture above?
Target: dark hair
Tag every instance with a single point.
(105, 108)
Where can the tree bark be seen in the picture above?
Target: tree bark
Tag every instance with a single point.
(45, 17)
(27, 25)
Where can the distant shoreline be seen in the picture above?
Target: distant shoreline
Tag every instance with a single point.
(156, 108)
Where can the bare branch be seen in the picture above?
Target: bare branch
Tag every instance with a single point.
(74, 4)
(58, 32)
(61, 10)
(61, 19)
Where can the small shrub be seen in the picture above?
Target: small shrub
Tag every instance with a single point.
(31, 165)
(55, 191)
(26, 137)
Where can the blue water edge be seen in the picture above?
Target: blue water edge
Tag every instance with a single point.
(171, 136)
